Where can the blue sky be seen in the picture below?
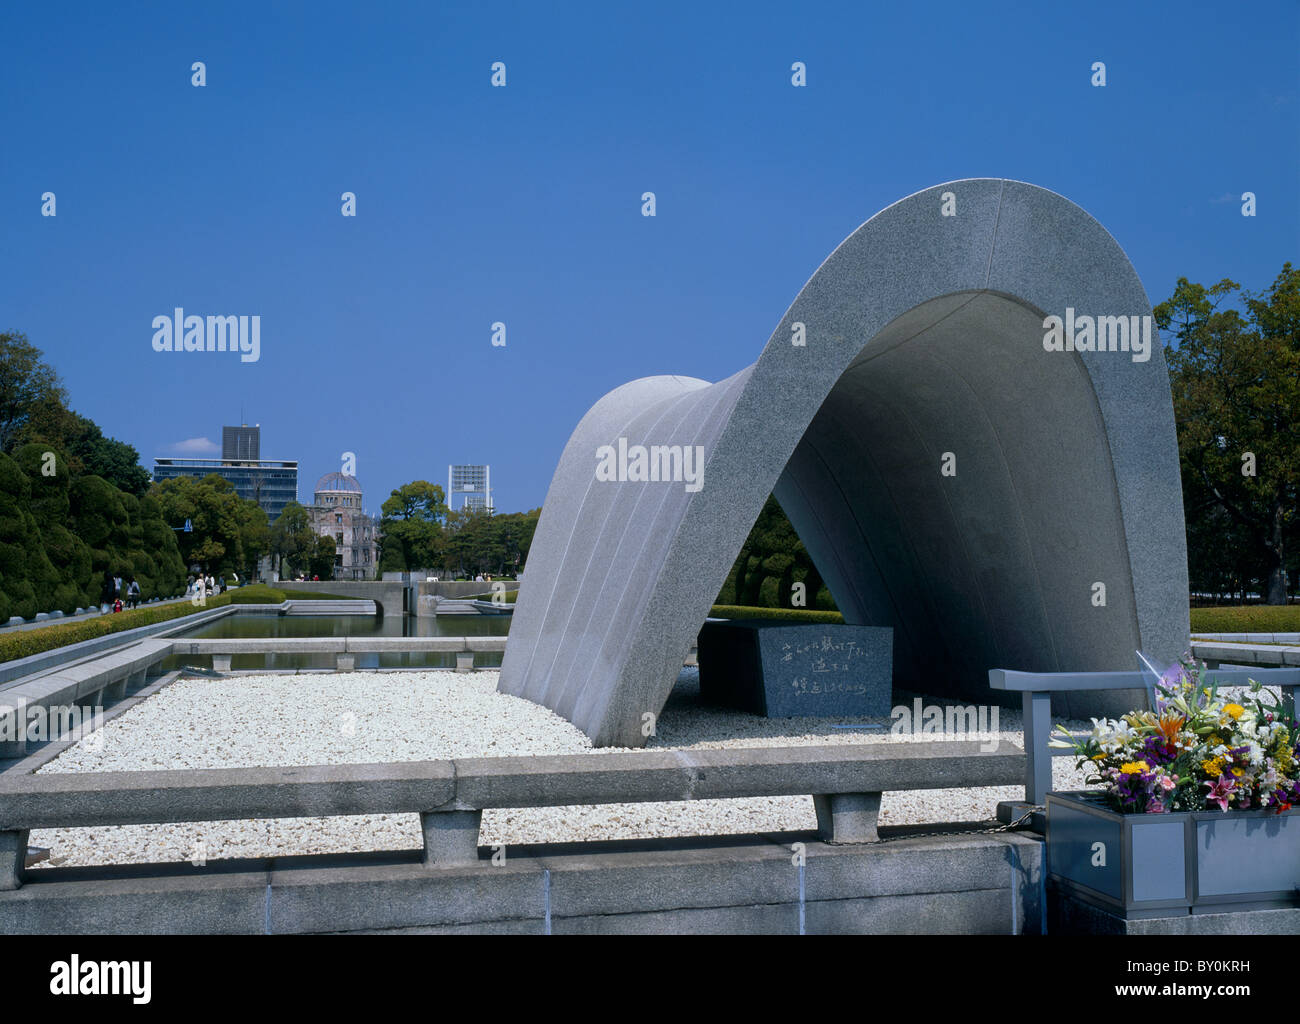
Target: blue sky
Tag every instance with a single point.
(522, 205)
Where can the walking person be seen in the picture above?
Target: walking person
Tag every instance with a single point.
(133, 593)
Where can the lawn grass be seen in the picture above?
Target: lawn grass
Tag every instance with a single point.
(1250, 618)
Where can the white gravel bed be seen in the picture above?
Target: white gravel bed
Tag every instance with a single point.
(384, 717)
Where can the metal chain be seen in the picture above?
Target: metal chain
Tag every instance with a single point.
(1014, 826)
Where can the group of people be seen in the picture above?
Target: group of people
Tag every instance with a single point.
(118, 593)
(202, 586)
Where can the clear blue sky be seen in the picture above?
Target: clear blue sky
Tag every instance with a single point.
(522, 204)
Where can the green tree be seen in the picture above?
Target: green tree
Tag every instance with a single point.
(226, 533)
(28, 579)
(51, 507)
(411, 527)
(25, 382)
(293, 540)
(321, 562)
(1236, 394)
(51, 423)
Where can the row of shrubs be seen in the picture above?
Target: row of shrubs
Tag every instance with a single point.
(23, 643)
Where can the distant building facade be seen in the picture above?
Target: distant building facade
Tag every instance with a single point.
(241, 444)
(336, 511)
(272, 483)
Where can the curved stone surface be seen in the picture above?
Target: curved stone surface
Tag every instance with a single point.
(924, 336)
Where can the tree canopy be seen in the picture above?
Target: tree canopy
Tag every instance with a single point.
(228, 532)
(1235, 376)
(411, 527)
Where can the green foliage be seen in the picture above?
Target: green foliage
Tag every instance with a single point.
(292, 539)
(321, 562)
(411, 531)
(770, 562)
(229, 532)
(24, 642)
(493, 544)
(1236, 395)
(25, 383)
(51, 509)
(71, 504)
(417, 531)
(28, 578)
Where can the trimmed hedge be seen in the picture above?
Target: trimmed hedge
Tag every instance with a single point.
(797, 615)
(25, 642)
(1250, 618)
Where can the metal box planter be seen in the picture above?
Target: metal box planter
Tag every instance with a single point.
(1152, 865)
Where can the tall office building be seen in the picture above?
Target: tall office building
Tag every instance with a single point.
(472, 485)
(241, 444)
(272, 483)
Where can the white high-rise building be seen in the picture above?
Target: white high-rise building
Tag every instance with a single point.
(469, 487)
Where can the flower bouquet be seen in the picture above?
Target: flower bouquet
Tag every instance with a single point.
(1195, 751)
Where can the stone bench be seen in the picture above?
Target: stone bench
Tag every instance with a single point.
(1215, 653)
(846, 782)
(92, 682)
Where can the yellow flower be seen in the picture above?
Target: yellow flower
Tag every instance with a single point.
(1233, 711)
(1134, 768)
(1285, 762)
(1098, 757)
(1214, 767)
(1238, 772)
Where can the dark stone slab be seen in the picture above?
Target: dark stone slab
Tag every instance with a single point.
(782, 670)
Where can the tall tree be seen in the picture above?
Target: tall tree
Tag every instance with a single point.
(411, 530)
(25, 382)
(293, 540)
(321, 561)
(226, 534)
(1236, 392)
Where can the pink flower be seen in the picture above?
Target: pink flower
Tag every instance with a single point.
(1220, 792)
(1165, 782)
